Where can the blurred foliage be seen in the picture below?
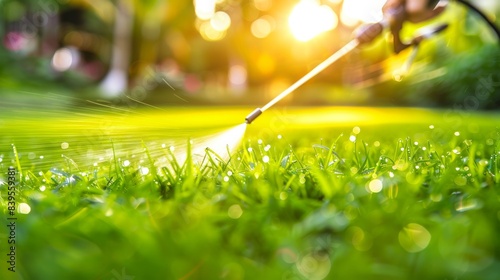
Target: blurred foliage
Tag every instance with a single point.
(166, 39)
(471, 81)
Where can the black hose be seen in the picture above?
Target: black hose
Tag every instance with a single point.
(482, 15)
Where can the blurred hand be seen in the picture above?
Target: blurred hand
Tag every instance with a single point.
(369, 32)
(415, 10)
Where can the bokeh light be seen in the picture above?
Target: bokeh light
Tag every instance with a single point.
(235, 211)
(414, 238)
(361, 11)
(220, 21)
(64, 59)
(262, 5)
(204, 9)
(237, 75)
(375, 186)
(209, 33)
(308, 19)
(261, 27)
(24, 208)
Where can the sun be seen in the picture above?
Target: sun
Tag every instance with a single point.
(309, 18)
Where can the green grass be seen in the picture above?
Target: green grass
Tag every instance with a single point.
(321, 193)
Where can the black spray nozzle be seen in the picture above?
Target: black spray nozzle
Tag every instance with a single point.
(252, 116)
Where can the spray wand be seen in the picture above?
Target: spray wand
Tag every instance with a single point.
(365, 35)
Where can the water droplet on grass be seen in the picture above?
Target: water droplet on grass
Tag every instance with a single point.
(259, 141)
(24, 208)
(31, 155)
(415, 143)
(352, 138)
(490, 142)
(302, 179)
(279, 136)
(469, 204)
(172, 148)
(126, 163)
(42, 188)
(356, 130)
(163, 146)
(41, 157)
(265, 159)
(457, 133)
(250, 149)
(431, 126)
(144, 170)
(375, 186)
(229, 173)
(226, 179)
(376, 144)
(64, 145)
(267, 148)
(235, 211)
(391, 174)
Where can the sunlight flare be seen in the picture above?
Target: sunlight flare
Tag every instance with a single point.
(309, 19)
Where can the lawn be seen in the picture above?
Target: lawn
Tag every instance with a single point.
(302, 193)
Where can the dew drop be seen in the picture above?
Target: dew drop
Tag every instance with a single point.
(265, 159)
(375, 186)
(144, 170)
(24, 208)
